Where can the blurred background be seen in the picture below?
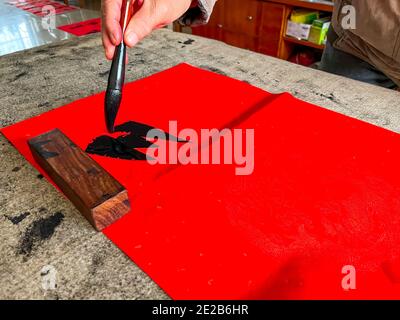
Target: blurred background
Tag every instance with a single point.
(293, 30)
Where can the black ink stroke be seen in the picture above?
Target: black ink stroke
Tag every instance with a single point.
(125, 146)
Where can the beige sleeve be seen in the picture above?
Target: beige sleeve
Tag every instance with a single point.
(199, 13)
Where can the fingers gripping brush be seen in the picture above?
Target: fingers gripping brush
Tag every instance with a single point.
(116, 77)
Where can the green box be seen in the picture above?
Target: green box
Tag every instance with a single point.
(304, 16)
(319, 30)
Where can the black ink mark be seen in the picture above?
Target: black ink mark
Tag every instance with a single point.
(97, 262)
(188, 41)
(213, 69)
(19, 75)
(124, 146)
(114, 148)
(17, 219)
(104, 73)
(38, 231)
(44, 104)
(330, 97)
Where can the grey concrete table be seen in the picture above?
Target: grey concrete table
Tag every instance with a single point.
(39, 228)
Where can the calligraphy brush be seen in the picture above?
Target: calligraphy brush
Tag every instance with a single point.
(116, 77)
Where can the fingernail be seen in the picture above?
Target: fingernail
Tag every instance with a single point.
(132, 39)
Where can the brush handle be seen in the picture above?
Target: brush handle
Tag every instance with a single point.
(127, 10)
(117, 72)
(116, 77)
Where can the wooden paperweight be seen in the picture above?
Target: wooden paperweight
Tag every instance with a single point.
(93, 191)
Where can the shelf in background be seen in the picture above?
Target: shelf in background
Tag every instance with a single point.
(304, 43)
(314, 5)
(258, 25)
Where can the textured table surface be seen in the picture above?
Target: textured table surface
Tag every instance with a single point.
(39, 229)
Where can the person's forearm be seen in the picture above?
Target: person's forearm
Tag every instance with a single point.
(199, 12)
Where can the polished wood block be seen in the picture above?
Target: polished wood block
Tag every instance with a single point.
(93, 191)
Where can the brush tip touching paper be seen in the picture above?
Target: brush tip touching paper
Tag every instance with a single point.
(111, 105)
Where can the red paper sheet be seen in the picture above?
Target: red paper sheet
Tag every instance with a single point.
(325, 193)
(83, 28)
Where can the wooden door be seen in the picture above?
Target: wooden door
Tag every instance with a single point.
(250, 24)
(272, 28)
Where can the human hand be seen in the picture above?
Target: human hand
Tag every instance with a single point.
(150, 15)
